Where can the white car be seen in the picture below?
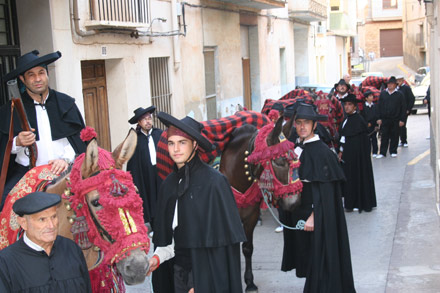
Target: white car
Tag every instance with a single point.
(419, 92)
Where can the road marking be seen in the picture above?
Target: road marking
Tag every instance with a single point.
(418, 158)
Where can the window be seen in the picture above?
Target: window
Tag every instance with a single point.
(210, 83)
(335, 5)
(127, 11)
(387, 4)
(160, 87)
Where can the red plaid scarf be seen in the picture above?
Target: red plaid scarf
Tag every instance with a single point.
(218, 131)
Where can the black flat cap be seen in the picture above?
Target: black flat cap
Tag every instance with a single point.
(35, 202)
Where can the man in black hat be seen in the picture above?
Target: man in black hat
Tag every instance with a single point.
(354, 152)
(142, 164)
(409, 101)
(53, 116)
(197, 219)
(320, 252)
(41, 261)
(369, 113)
(391, 113)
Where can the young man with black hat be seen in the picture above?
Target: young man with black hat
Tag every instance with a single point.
(53, 116)
(369, 113)
(41, 261)
(320, 252)
(409, 100)
(391, 116)
(142, 164)
(354, 152)
(197, 220)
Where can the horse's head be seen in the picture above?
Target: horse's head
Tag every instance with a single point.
(104, 199)
(275, 154)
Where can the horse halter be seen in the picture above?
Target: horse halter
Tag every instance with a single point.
(264, 154)
(120, 220)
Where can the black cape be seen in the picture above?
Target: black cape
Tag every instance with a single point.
(23, 269)
(65, 121)
(322, 256)
(358, 191)
(145, 174)
(209, 225)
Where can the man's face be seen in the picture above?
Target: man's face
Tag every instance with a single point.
(370, 99)
(180, 148)
(36, 80)
(399, 81)
(146, 122)
(305, 128)
(349, 107)
(342, 88)
(347, 78)
(42, 227)
(391, 86)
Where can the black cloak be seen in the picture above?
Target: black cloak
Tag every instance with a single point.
(145, 174)
(209, 225)
(322, 256)
(64, 117)
(358, 191)
(23, 269)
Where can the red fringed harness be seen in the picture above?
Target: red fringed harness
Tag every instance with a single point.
(120, 219)
(264, 154)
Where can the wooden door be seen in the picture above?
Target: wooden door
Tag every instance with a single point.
(95, 100)
(247, 83)
(391, 43)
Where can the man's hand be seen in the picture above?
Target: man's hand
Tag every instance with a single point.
(191, 290)
(310, 223)
(401, 123)
(154, 264)
(379, 122)
(58, 166)
(340, 156)
(425, 101)
(25, 138)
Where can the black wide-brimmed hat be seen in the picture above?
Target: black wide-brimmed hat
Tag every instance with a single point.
(392, 79)
(290, 110)
(31, 60)
(35, 202)
(342, 82)
(189, 126)
(306, 111)
(367, 93)
(139, 112)
(350, 98)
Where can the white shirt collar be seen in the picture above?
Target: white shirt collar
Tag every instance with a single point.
(368, 105)
(341, 97)
(314, 138)
(392, 91)
(45, 99)
(31, 244)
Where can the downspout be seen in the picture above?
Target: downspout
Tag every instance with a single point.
(74, 20)
(176, 42)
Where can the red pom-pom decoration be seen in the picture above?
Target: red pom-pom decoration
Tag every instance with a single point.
(87, 134)
(273, 115)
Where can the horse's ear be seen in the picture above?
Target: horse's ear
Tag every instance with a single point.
(272, 138)
(287, 127)
(125, 150)
(90, 164)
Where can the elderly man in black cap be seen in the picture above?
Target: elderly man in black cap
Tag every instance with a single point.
(41, 261)
(142, 164)
(391, 110)
(197, 220)
(321, 213)
(53, 116)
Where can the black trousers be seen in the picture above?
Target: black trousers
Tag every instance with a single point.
(403, 138)
(14, 175)
(390, 136)
(183, 279)
(373, 139)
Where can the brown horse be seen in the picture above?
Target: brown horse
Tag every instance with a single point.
(241, 175)
(102, 212)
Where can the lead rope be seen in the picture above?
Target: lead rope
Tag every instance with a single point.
(299, 225)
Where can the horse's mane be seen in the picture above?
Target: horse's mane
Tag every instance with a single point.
(247, 128)
(62, 175)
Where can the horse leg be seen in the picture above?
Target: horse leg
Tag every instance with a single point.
(249, 223)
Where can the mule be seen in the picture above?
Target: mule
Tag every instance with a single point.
(242, 174)
(102, 212)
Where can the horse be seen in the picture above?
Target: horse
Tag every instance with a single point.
(246, 176)
(100, 210)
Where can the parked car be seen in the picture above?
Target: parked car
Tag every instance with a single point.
(419, 92)
(365, 74)
(420, 74)
(315, 87)
(357, 81)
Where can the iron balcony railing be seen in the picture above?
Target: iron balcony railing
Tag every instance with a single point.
(120, 11)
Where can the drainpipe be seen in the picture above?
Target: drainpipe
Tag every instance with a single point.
(74, 20)
(176, 42)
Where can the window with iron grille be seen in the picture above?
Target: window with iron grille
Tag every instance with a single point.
(160, 87)
(386, 4)
(120, 11)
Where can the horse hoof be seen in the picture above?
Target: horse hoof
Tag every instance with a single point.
(251, 289)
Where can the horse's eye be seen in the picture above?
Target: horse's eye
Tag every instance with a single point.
(95, 203)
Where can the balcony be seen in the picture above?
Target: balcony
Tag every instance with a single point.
(308, 10)
(118, 14)
(258, 4)
(341, 24)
